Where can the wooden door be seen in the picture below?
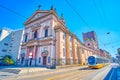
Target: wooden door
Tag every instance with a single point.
(44, 60)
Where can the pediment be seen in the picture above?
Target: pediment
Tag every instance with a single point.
(38, 15)
(35, 16)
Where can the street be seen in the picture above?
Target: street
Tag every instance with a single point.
(72, 73)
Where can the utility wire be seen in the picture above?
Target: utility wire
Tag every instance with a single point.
(81, 17)
(99, 13)
(13, 11)
(103, 18)
(37, 4)
(103, 11)
(78, 14)
(112, 43)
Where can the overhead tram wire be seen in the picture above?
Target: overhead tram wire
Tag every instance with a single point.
(111, 43)
(13, 11)
(80, 17)
(103, 11)
(105, 18)
(99, 13)
(78, 14)
(102, 20)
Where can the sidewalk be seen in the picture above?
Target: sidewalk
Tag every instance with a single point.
(27, 70)
(23, 70)
(43, 72)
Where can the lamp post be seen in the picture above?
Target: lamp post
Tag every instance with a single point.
(30, 57)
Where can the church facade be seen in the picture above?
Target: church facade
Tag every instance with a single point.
(48, 42)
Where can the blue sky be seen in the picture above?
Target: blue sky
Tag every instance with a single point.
(101, 15)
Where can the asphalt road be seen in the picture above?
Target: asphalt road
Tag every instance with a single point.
(76, 73)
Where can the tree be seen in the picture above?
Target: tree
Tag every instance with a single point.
(8, 60)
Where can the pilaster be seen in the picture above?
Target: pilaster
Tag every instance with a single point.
(79, 55)
(58, 46)
(73, 49)
(67, 49)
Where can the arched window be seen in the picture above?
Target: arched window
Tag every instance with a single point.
(35, 34)
(46, 32)
(26, 38)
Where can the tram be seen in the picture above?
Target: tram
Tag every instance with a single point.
(97, 62)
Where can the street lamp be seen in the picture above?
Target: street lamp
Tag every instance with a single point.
(30, 57)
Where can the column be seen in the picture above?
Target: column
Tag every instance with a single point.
(85, 54)
(79, 55)
(27, 53)
(26, 56)
(35, 54)
(58, 47)
(67, 49)
(73, 49)
(51, 27)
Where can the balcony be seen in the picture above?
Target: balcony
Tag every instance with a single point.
(41, 39)
(38, 39)
(33, 39)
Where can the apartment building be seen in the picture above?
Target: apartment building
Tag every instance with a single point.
(10, 41)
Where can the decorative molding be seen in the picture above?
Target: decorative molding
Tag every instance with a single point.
(40, 22)
(46, 27)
